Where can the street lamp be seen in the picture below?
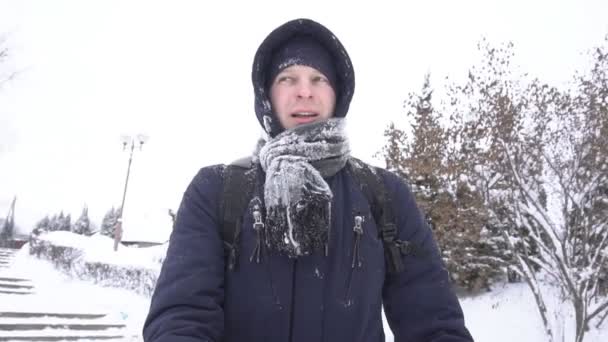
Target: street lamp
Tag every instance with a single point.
(127, 142)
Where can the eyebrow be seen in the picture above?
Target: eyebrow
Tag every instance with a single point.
(314, 73)
(285, 71)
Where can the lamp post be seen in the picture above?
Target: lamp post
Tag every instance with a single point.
(127, 142)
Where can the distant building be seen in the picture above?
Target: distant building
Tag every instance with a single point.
(17, 242)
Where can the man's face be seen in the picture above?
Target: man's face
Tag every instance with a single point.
(300, 94)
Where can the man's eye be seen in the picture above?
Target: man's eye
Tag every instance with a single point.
(320, 79)
(285, 79)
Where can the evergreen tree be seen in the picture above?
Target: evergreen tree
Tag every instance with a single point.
(54, 222)
(44, 224)
(83, 224)
(453, 208)
(395, 149)
(66, 223)
(108, 224)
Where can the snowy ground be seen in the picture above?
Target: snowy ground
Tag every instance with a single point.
(55, 292)
(507, 314)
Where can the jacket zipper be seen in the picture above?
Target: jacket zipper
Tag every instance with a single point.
(258, 227)
(358, 230)
(293, 300)
(356, 260)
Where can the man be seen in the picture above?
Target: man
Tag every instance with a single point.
(309, 259)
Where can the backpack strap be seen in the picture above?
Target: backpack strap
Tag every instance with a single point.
(373, 187)
(239, 181)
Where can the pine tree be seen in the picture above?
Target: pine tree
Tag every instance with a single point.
(43, 225)
(83, 224)
(54, 222)
(66, 223)
(395, 149)
(108, 224)
(453, 207)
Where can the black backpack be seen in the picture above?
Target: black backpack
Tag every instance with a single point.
(239, 181)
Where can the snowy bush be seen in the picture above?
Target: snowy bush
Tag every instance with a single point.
(93, 259)
(64, 258)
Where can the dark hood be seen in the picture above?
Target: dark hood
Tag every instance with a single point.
(345, 84)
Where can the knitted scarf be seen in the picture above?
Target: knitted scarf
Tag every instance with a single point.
(296, 196)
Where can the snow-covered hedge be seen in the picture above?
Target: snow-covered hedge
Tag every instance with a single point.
(93, 258)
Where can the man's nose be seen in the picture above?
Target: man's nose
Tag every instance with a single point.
(304, 90)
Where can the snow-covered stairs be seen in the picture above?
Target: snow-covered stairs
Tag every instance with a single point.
(16, 286)
(11, 285)
(44, 326)
(33, 324)
(6, 257)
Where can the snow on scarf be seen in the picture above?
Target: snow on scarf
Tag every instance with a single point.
(297, 198)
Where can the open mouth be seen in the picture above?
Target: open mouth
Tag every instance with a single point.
(304, 115)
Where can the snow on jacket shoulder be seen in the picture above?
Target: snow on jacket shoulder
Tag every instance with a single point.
(337, 297)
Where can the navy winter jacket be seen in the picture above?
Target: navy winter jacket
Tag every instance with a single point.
(308, 299)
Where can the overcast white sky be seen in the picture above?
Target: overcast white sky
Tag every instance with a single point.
(179, 71)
